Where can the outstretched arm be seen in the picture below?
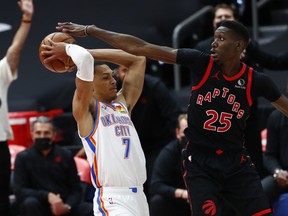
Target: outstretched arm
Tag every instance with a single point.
(134, 79)
(128, 43)
(14, 51)
(84, 80)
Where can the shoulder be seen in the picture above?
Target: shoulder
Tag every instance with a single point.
(26, 154)
(261, 79)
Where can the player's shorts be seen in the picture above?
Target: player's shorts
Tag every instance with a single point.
(224, 184)
(120, 201)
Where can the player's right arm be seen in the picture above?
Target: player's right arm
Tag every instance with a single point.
(84, 88)
(128, 43)
(84, 80)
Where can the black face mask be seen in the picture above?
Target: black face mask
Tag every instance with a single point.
(183, 141)
(43, 143)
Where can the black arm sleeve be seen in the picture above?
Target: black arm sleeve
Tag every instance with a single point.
(264, 86)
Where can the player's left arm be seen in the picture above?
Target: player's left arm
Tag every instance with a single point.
(264, 86)
(14, 51)
(281, 104)
(134, 79)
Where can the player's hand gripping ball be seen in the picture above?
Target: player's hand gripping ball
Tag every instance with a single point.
(57, 65)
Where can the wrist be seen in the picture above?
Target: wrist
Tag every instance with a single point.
(86, 30)
(26, 18)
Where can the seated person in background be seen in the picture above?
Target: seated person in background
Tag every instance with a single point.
(46, 181)
(168, 193)
(154, 116)
(276, 156)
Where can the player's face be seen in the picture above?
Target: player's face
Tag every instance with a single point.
(105, 84)
(224, 46)
(222, 14)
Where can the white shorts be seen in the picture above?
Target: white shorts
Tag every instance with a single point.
(115, 201)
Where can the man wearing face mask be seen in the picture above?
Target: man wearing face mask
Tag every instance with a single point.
(169, 195)
(45, 176)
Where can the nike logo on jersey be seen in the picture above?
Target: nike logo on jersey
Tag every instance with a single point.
(216, 76)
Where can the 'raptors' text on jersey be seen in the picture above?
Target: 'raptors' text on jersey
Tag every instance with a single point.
(219, 107)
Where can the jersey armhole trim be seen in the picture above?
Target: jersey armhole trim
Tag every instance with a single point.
(249, 84)
(206, 75)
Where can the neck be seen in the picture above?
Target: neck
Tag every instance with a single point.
(231, 69)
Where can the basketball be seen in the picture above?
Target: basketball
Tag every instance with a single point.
(56, 65)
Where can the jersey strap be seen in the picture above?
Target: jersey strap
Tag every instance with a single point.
(249, 84)
(206, 75)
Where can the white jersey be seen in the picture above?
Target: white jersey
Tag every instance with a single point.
(6, 77)
(113, 148)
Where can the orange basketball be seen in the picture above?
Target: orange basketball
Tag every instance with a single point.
(56, 65)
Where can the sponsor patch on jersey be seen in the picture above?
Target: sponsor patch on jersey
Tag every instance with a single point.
(120, 109)
(240, 84)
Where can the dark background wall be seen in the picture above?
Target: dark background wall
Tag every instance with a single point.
(37, 87)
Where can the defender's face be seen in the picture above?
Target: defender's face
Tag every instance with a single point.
(224, 46)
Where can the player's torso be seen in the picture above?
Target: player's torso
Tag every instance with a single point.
(218, 109)
(119, 159)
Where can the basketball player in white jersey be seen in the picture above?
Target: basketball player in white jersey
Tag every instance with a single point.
(109, 138)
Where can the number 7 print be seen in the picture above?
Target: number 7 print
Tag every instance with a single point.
(126, 141)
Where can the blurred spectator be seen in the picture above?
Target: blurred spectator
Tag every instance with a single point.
(276, 156)
(154, 117)
(252, 130)
(46, 181)
(169, 196)
(8, 73)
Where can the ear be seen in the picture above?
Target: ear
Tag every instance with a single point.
(240, 45)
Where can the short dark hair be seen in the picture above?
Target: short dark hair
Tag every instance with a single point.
(42, 119)
(238, 28)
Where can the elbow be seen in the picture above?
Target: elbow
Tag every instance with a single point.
(87, 59)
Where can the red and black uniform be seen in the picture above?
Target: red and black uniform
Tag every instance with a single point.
(220, 176)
